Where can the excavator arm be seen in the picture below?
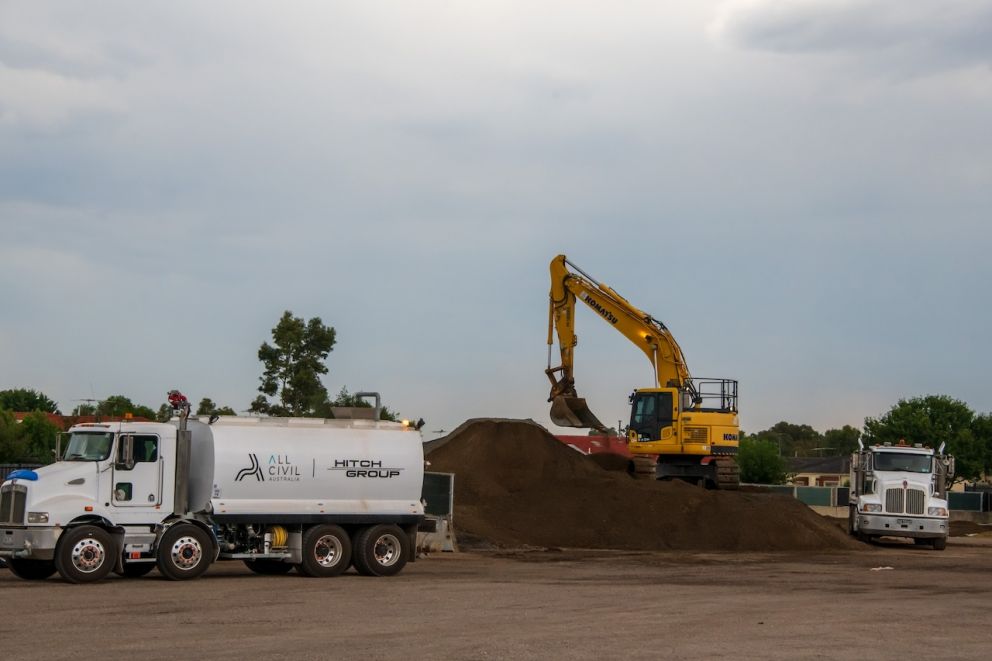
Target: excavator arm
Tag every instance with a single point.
(647, 333)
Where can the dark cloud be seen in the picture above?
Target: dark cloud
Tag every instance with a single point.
(932, 35)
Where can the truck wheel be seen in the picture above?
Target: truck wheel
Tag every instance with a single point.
(939, 543)
(326, 551)
(85, 554)
(31, 570)
(852, 514)
(268, 567)
(136, 569)
(184, 552)
(381, 550)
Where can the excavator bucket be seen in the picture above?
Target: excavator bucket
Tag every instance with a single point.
(573, 412)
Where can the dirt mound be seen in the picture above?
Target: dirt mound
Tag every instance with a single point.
(516, 485)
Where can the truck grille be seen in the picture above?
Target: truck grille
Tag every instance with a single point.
(894, 501)
(915, 499)
(909, 501)
(696, 435)
(12, 501)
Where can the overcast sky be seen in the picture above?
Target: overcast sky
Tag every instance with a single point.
(800, 189)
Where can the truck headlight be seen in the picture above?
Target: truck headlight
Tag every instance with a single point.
(937, 511)
(871, 507)
(37, 517)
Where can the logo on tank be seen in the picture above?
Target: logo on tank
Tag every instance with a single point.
(364, 469)
(281, 469)
(253, 470)
(278, 468)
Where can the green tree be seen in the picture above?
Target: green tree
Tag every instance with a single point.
(39, 435)
(118, 405)
(84, 409)
(934, 419)
(13, 447)
(293, 366)
(760, 462)
(164, 413)
(22, 400)
(207, 407)
(842, 441)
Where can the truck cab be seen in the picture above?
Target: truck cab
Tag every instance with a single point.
(900, 490)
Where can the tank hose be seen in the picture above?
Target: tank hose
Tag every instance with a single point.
(279, 536)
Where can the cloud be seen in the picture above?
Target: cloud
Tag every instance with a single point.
(928, 36)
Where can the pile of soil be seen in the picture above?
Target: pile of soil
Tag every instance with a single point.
(516, 485)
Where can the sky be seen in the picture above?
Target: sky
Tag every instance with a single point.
(800, 189)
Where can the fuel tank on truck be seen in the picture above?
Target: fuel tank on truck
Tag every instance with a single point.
(305, 467)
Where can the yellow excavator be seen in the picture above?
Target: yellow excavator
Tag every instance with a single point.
(683, 428)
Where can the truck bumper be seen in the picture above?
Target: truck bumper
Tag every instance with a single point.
(30, 543)
(895, 525)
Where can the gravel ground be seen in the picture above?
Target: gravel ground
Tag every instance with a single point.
(893, 601)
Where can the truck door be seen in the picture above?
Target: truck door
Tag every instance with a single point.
(140, 483)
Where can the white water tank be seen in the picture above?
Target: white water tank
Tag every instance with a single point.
(302, 467)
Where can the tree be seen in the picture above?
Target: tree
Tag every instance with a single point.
(118, 405)
(164, 413)
(760, 462)
(934, 419)
(39, 435)
(842, 441)
(207, 407)
(293, 366)
(22, 400)
(13, 448)
(30, 441)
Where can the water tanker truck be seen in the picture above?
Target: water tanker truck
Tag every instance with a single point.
(275, 493)
(900, 490)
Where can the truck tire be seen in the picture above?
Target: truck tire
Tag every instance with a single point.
(184, 553)
(31, 570)
(852, 515)
(326, 551)
(136, 569)
(381, 550)
(85, 554)
(939, 543)
(268, 567)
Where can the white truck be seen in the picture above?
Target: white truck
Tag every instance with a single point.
(900, 490)
(276, 493)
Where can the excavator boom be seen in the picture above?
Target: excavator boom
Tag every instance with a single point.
(647, 333)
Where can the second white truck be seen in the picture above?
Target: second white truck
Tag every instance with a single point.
(900, 490)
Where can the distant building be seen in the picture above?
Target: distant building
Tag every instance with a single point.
(819, 471)
(63, 422)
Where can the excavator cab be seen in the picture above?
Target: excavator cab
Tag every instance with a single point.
(652, 414)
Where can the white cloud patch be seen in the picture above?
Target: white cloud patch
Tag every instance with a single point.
(921, 36)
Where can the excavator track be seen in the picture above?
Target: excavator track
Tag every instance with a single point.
(642, 467)
(728, 474)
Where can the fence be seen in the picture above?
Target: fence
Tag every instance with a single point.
(964, 501)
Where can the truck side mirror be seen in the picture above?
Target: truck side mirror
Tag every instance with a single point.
(58, 445)
(126, 453)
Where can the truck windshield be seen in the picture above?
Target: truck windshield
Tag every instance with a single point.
(896, 461)
(88, 446)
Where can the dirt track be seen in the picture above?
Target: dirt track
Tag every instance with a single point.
(568, 604)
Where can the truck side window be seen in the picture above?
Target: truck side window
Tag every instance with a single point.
(145, 449)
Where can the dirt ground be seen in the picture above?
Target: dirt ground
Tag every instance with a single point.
(893, 601)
